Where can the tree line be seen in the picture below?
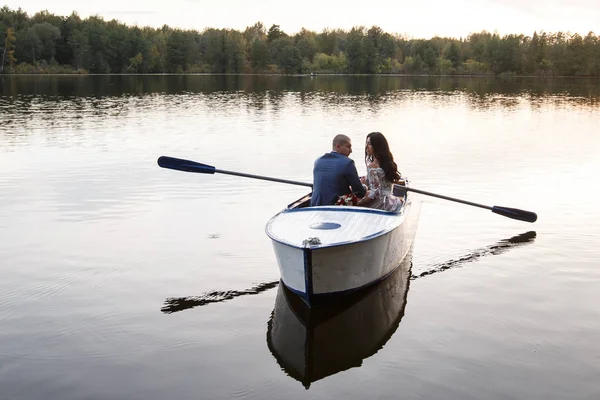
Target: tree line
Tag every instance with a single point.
(46, 42)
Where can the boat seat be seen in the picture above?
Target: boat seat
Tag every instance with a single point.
(302, 202)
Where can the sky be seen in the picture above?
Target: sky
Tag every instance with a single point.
(413, 18)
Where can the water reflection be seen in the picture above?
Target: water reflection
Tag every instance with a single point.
(84, 104)
(482, 91)
(495, 249)
(174, 304)
(311, 344)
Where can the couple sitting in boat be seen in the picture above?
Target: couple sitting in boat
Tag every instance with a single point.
(335, 175)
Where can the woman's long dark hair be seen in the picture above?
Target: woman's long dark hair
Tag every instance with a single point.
(381, 151)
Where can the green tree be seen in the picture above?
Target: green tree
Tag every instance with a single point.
(478, 44)
(217, 50)
(388, 47)
(96, 31)
(306, 43)
(274, 33)
(430, 57)
(135, 62)
(591, 54)
(176, 51)
(413, 64)
(78, 41)
(355, 51)
(290, 60)
(452, 53)
(234, 48)
(8, 52)
(46, 17)
(535, 53)
(28, 46)
(277, 45)
(155, 60)
(474, 67)
(372, 45)
(255, 32)
(48, 35)
(575, 56)
(100, 46)
(557, 54)
(64, 51)
(444, 66)
(259, 54)
(116, 50)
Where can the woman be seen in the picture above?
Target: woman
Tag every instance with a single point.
(382, 173)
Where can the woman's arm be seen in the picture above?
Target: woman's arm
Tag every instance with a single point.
(364, 201)
(374, 183)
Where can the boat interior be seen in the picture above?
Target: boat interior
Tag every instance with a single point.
(304, 202)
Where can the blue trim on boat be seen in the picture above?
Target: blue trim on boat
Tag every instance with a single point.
(353, 209)
(317, 247)
(374, 235)
(301, 294)
(308, 275)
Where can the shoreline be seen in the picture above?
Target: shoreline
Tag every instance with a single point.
(315, 75)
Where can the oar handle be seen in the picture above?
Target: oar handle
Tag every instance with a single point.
(180, 164)
(515, 213)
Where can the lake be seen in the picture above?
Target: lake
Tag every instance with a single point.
(121, 279)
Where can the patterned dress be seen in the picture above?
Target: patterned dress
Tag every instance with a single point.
(380, 191)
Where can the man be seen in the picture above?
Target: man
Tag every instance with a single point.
(334, 174)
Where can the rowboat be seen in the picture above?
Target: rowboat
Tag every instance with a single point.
(313, 343)
(330, 251)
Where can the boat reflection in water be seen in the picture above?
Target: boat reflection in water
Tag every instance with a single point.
(313, 343)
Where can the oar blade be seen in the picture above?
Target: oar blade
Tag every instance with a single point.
(515, 213)
(180, 164)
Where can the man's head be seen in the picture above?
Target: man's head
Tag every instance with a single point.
(342, 144)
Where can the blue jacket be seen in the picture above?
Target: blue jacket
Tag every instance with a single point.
(333, 173)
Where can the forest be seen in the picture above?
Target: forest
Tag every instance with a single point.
(48, 43)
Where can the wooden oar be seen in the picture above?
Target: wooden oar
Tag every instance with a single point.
(192, 166)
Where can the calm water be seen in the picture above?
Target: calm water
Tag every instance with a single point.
(124, 280)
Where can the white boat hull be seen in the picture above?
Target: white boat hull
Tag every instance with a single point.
(358, 247)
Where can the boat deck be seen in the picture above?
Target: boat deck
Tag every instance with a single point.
(330, 225)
